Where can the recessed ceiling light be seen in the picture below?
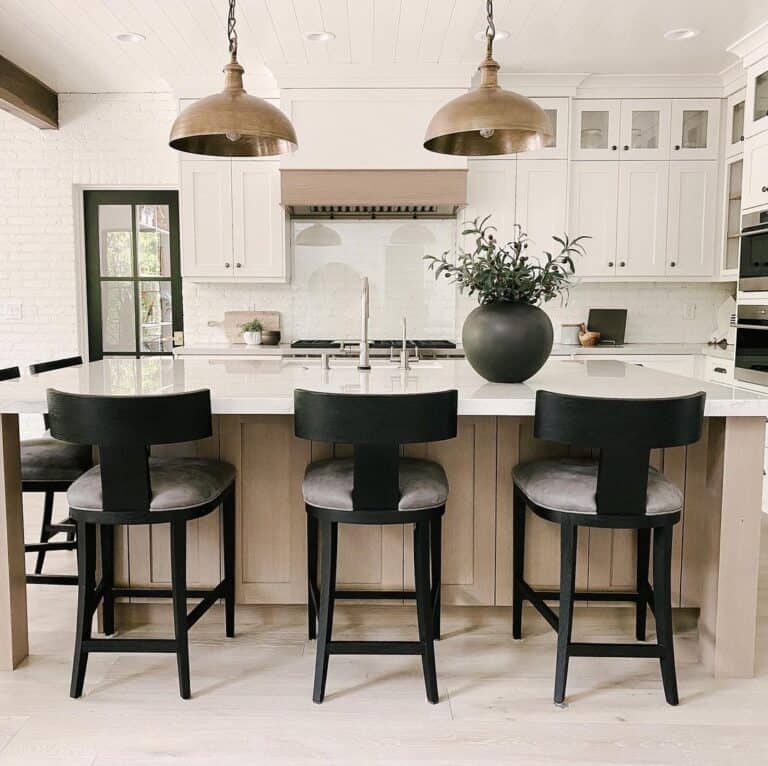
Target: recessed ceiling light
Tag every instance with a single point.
(130, 37)
(323, 36)
(684, 33)
(501, 34)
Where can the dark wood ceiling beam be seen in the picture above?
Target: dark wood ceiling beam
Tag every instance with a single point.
(26, 97)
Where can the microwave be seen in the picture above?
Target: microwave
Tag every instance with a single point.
(753, 258)
(751, 363)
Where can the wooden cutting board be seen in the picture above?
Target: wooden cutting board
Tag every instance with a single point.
(270, 320)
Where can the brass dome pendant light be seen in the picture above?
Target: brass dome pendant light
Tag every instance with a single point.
(232, 123)
(488, 120)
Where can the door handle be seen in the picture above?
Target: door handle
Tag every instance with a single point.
(721, 370)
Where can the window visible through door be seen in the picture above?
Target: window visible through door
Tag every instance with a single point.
(133, 274)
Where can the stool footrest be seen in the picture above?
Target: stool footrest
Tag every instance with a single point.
(375, 647)
(140, 645)
(615, 650)
(70, 545)
(374, 594)
(51, 579)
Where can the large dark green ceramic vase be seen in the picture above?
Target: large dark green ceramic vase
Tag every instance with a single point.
(507, 342)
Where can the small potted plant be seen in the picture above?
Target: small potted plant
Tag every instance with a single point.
(507, 338)
(252, 332)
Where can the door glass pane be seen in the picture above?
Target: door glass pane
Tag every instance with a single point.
(594, 130)
(737, 123)
(154, 251)
(115, 241)
(733, 223)
(694, 129)
(155, 321)
(761, 96)
(552, 114)
(645, 129)
(117, 317)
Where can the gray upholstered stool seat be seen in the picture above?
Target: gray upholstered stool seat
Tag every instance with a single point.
(48, 459)
(177, 483)
(568, 485)
(328, 484)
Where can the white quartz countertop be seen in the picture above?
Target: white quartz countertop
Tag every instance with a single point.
(629, 349)
(251, 386)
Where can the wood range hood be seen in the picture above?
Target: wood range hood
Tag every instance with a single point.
(373, 193)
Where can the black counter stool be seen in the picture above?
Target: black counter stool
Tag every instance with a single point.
(49, 465)
(129, 487)
(617, 491)
(376, 486)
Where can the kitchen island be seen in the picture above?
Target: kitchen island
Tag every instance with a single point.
(716, 547)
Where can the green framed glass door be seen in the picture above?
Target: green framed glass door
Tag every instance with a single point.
(133, 272)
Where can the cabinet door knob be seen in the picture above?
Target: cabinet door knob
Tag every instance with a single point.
(614, 148)
(765, 189)
(672, 264)
(721, 370)
(626, 148)
(677, 147)
(741, 138)
(238, 265)
(622, 264)
(227, 265)
(610, 264)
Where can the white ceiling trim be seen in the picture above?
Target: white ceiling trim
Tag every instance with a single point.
(370, 76)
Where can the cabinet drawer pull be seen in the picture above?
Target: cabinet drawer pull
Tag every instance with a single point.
(721, 370)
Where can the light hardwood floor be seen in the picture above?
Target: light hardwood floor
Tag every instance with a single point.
(252, 696)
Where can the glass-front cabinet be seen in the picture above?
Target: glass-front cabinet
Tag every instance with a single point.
(596, 129)
(734, 123)
(644, 129)
(734, 171)
(556, 110)
(695, 129)
(757, 98)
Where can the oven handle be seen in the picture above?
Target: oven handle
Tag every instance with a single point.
(751, 327)
(754, 233)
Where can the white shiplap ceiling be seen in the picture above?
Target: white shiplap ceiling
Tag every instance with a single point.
(70, 44)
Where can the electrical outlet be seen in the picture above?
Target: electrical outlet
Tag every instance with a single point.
(10, 310)
(689, 311)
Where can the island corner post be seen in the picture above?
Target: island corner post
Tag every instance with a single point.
(721, 476)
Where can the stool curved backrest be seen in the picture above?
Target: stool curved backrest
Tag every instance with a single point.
(10, 373)
(376, 424)
(123, 428)
(624, 431)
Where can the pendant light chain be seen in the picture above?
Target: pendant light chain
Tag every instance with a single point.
(231, 31)
(490, 29)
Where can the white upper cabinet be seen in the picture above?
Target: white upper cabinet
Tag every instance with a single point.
(258, 223)
(206, 218)
(232, 224)
(541, 190)
(695, 129)
(734, 123)
(645, 129)
(755, 184)
(557, 111)
(365, 128)
(642, 220)
(595, 134)
(490, 191)
(692, 216)
(757, 98)
(593, 211)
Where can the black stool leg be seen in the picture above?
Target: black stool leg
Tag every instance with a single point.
(662, 591)
(179, 591)
(107, 537)
(641, 582)
(228, 529)
(436, 554)
(86, 598)
(423, 607)
(45, 532)
(311, 577)
(327, 597)
(568, 535)
(518, 561)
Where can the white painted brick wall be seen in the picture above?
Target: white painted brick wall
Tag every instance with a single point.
(113, 139)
